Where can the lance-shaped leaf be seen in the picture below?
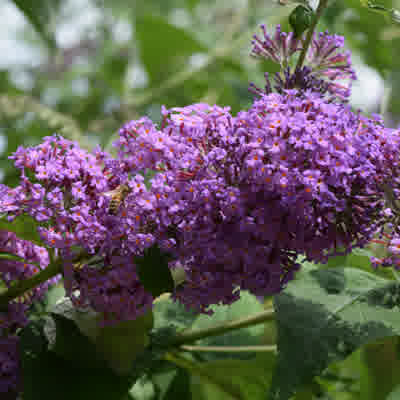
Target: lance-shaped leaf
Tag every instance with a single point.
(323, 316)
(73, 346)
(12, 257)
(24, 226)
(46, 376)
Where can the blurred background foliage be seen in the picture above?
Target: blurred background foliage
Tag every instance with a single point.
(83, 68)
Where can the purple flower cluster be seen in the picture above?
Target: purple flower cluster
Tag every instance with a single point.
(62, 187)
(245, 195)
(14, 316)
(327, 68)
(323, 162)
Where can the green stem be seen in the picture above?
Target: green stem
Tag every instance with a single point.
(28, 284)
(230, 349)
(321, 6)
(52, 270)
(259, 318)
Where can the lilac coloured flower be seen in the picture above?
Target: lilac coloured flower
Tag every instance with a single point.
(279, 47)
(327, 68)
(323, 168)
(198, 200)
(238, 199)
(69, 195)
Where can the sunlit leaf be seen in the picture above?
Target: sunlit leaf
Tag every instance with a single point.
(169, 312)
(252, 335)
(395, 394)
(233, 379)
(24, 226)
(324, 315)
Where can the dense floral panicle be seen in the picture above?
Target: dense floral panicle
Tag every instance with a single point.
(68, 191)
(327, 67)
(324, 162)
(114, 291)
(238, 199)
(199, 210)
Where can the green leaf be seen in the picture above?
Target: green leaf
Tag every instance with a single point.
(179, 387)
(233, 379)
(395, 394)
(47, 376)
(73, 346)
(121, 343)
(153, 271)
(164, 47)
(300, 19)
(191, 4)
(382, 365)
(40, 14)
(336, 261)
(326, 314)
(114, 67)
(252, 335)
(53, 295)
(169, 312)
(172, 384)
(12, 257)
(391, 14)
(359, 258)
(24, 226)
(33, 341)
(162, 381)
(117, 344)
(143, 389)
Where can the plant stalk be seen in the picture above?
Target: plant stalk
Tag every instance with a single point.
(318, 13)
(27, 284)
(230, 349)
(20, 288)
(188, 337)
